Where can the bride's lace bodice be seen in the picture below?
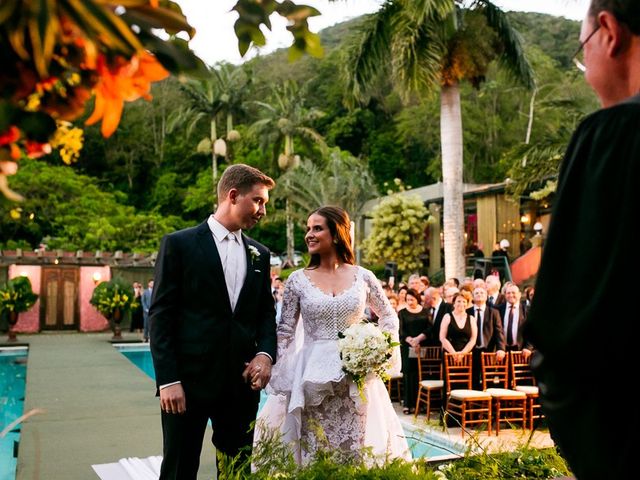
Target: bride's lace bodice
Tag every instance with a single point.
(324, 315)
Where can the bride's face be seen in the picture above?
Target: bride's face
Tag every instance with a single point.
(318, 236)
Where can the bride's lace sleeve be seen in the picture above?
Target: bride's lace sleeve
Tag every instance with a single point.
(282, 373)
(387, 317)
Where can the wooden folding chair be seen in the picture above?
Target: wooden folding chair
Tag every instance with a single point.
(470, 406)
(522, 380)
(508, 405)
(430, 385)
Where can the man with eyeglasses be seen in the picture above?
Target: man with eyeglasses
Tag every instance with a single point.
(585, 331)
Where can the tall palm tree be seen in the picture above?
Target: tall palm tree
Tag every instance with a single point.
(209, 99)
(285, 119)
(422, 44)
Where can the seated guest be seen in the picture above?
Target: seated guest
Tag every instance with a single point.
(513, 319)
(414, 330)
(490, 334)
(437, 308)
(458, 331)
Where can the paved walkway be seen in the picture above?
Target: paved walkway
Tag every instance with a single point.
(99, 407)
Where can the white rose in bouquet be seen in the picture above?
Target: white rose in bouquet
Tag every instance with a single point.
(365, 349)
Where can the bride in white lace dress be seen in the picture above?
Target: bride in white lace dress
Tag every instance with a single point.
(312, 401)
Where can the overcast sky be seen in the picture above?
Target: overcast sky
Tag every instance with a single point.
(215, 40)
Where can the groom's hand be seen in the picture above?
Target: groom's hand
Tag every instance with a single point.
(258, 372)
(172, 399)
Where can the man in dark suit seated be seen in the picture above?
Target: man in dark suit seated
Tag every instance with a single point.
(213, 331)
(490, 334)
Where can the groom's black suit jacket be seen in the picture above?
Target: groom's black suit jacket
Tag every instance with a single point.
(195, 336)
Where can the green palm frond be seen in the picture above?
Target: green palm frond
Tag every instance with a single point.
(513, 58)
(284, 115)
(341, 180)
(417, 55)
(423, 11)
(370, 50)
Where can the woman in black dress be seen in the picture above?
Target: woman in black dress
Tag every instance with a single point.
(458, 330)
(414, 326)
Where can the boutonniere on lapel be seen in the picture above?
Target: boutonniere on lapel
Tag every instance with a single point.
(254, 252)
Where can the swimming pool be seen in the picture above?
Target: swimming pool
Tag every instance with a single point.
(423, 443)
(13, 375)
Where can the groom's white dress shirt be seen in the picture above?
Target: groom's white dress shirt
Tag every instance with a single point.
(233, 257)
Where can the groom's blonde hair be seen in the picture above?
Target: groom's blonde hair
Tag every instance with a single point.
(242, 177)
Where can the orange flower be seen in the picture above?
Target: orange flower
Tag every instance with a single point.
(124, 81)
(10, 135)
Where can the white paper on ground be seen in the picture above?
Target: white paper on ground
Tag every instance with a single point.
(132, 468)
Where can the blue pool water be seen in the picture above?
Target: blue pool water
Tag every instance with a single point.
(422, 444)
(13, 374)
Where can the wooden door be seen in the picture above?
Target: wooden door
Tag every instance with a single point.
(59, 298)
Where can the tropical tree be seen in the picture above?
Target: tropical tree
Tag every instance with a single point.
(438, 43)
(341, 180)
(209, 98)
(284, 119)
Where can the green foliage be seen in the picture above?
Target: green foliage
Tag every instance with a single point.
(151, 174)
(273, 460)
(17, 295)
(341, 179)
(114, 295)
(398, 229)
(69, 211)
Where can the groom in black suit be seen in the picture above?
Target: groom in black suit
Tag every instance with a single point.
(213, 337)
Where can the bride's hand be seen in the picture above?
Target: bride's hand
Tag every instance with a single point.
(258, 372)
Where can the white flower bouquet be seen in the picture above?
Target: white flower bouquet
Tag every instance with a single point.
(365, 349)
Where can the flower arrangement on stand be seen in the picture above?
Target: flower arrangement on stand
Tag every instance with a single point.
(16, 296)
(113, 299)
(365, 350)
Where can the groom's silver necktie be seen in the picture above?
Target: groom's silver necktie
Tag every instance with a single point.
(234, 250)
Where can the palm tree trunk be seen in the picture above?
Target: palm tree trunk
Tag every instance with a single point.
(288, 150)
(452, 155)
(214, 160)
(229, 128)
(289, 230)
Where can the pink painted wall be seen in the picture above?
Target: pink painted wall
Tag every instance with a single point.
(29, 321)
(90, 319)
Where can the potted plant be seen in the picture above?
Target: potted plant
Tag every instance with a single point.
(16, 296)
(113, 299)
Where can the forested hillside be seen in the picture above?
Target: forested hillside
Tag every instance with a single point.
(155, 173)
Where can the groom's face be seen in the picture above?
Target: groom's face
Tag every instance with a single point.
(248, 208)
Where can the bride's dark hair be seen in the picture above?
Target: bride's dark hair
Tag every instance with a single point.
(339, 225)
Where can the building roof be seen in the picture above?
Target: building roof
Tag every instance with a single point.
(434, 193)
(78, 258)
